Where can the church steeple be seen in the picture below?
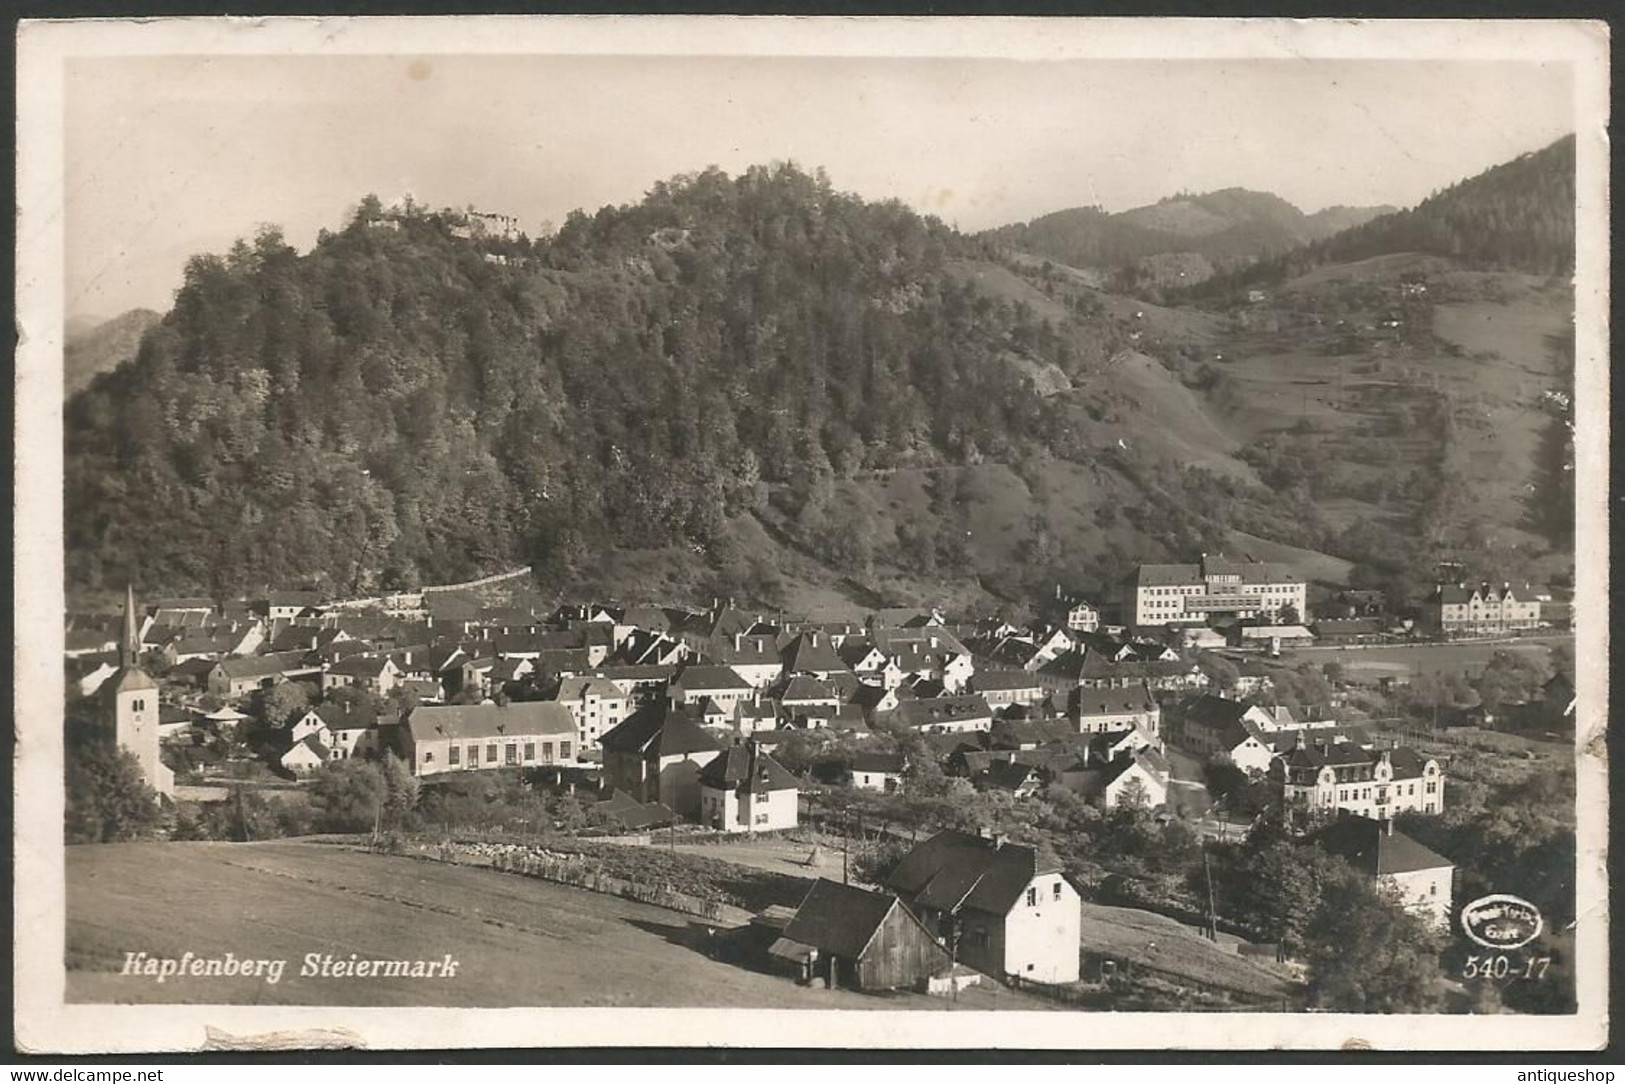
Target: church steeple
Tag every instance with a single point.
(129, 648)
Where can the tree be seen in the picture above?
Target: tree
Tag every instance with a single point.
(349, 795)
(1367, 953)
(400, 789)
(1133, 796)
(1288, 615)
(1222, 776)
(108, 801)
(281, 702)
(1510, 677)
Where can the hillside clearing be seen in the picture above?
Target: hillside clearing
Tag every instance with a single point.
(1155, 941)
(518, 941)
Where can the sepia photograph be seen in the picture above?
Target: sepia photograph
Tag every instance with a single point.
(943, 532)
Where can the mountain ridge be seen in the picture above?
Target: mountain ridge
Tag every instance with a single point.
(750, 384)
(1206, 231)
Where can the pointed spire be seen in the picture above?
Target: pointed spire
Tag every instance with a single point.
(130, 646)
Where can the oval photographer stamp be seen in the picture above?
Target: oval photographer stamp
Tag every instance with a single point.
(1501, 921)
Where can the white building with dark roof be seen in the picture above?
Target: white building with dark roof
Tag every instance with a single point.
(466, 737)
(1328, 774)
(746, 790)
(1423, 880)
(1216, 587)
(1007, 908)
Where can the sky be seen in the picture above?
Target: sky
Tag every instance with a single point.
(167, 157)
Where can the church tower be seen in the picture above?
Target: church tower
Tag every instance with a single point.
(132, 705)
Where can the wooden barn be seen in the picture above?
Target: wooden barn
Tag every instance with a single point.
(862, 940)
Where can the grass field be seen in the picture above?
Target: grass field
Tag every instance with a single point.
(1466, 658)
(518, 941)
(1155, 941)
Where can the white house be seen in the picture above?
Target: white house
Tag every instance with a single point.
(1098, 710)
(1109, 782)
(1422, 879)
(597, 704)
(306, 755)
(878, 771)
(745, 790)
(377, 674)
(1009, 910)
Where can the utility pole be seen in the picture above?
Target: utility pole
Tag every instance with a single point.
(846, 836)
(1212, 920)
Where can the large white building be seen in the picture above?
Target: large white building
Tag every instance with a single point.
(1216, 587)
(1330, 775)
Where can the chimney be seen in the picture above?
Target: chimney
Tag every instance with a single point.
(999, 840)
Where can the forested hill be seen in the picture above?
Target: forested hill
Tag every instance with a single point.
(1234, 225)
(1517, 216)
(404, 404)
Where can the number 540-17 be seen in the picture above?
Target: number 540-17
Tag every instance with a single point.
(1502, 967)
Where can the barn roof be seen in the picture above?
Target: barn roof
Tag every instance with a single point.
(839, 919)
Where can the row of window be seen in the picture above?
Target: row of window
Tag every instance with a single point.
(509, 753)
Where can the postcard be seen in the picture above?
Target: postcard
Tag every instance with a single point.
(985, 533)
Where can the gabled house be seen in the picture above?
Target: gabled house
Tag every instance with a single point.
(746, 790)
(1004, 907)
(377, 674)
(929, 652)
(1018, 779)
(755, 716)
(642, 648)
(235, 678)
(346, 731)
(753, 656)
(877, 771)
(811, 653)
(802, 691)
(1422, 879)
(874, 700)
(1212, 724)
(306, 755)
(1095, 711)
(656, 756)
(1142, 771)
(1455, 609)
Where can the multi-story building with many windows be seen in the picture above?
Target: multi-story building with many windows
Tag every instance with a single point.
(1217, 586)
(1455, 609)
(1329, 775)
